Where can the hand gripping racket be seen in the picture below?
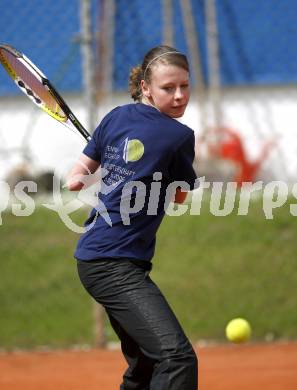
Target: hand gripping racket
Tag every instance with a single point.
(38, 88)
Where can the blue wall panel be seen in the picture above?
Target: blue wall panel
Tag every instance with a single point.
(257, 38)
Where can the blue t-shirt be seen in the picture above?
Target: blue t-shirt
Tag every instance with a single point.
(141, 151)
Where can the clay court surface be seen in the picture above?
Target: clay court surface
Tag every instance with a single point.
(229, 367)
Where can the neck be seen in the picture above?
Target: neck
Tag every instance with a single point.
(148, 102)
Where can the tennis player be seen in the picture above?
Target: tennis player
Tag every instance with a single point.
(143, 148)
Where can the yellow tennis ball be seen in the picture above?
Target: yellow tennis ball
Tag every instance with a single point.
(238, 330)
(135, 150)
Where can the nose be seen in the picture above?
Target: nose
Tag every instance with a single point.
(178, 94)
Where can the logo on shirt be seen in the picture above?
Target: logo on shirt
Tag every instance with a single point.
(133, 150)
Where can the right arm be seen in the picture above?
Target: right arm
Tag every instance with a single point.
(77, 177)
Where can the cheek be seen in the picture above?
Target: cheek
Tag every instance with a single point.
(161, 97)
(187, 94)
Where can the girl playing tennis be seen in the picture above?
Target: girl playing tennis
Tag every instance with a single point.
(142, 149)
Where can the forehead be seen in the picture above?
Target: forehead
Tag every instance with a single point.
(166, 73)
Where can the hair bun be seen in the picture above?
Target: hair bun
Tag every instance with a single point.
(135, 83)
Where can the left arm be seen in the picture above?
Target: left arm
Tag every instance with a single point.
(180, 196)
(182, 168)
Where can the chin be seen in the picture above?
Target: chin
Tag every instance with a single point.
(177, 114)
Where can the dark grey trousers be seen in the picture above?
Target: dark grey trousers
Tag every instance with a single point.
(159, 355)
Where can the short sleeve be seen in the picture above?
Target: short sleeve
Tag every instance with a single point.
(93, 148)
(181, 166)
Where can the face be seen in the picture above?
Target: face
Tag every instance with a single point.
(168, 89)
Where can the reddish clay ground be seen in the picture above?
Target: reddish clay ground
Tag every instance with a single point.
(246, 367)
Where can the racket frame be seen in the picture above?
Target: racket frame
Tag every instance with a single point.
(45, 81)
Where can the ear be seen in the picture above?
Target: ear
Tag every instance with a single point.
(145, 89)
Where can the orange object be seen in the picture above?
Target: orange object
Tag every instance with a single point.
(230, 147)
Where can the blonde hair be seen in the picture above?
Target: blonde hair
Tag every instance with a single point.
(160, 54)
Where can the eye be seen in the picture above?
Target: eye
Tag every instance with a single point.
(185, 86)
(168, 88)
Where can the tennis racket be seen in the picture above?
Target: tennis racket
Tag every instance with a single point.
(38, 88)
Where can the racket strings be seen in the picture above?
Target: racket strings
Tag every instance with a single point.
(28, 92)
(30, 82)
(34, 84)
